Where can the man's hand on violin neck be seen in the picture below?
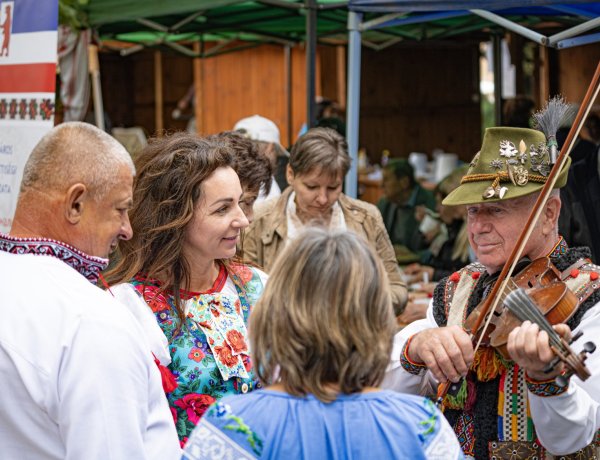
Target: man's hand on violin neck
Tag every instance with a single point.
(530, 349)
(446, 351)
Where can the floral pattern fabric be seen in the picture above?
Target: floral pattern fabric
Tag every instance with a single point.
(209, 354)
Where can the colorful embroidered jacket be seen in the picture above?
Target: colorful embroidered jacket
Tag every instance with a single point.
(493, 405)
(209, 354)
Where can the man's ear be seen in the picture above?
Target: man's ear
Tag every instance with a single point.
(75, 199)
(551, 213)
(289, 174)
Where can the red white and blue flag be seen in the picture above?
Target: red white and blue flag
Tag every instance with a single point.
(28, 41)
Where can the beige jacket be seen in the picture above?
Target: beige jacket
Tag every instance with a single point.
(265, 238)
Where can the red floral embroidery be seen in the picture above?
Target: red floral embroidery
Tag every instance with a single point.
(205, 325)
(243, 272)
(225, 355)
(236, 340)
(195, 406)
(156, 301)
(247, 363)
(183, 442)
(196, 354)
(174, 414)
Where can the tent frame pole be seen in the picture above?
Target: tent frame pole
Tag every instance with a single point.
(353, 101)
(311, 53)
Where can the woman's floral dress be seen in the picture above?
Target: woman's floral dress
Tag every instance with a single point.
(209, 355)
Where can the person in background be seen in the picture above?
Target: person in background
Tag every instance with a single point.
(452, 249)
(579, 221)
(78, 379)
(318, 163)
(518, 112)
(320, 336)
(402, 195)
(449, 253)
(253, 168)
(178, 277)
(266, 134)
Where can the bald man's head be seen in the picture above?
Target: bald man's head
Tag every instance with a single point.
(75, 152)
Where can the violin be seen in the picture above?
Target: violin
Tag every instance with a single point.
(536, 294)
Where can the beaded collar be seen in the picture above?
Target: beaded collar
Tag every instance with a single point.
(560, 249)
(88, 266)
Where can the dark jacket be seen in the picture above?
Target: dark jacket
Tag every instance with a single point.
(579, 221)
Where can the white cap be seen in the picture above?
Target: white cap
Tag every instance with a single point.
(259, 128)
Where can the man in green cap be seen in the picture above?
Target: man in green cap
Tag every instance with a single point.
(402, 195)
(507, 408)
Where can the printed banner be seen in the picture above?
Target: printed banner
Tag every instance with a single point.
(28, 40)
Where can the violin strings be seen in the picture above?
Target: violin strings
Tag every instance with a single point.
(523, 307)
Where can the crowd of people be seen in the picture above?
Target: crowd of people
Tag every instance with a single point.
(241, 317)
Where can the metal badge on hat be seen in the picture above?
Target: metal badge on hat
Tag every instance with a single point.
(541, 155)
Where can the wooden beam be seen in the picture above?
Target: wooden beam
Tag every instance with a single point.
(158, 95)
(198, 106)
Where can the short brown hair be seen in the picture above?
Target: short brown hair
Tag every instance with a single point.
(322, 149)
(253, 167)
(325, 318)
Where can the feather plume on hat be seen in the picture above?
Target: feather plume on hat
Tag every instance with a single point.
(549, 119)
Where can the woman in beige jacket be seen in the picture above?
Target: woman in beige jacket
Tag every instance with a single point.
(318, 164)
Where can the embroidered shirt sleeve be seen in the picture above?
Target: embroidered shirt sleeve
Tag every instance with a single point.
(223, 431)
(408, 365)
(544, 388)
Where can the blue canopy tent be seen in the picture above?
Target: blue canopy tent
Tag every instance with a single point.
(574, 23)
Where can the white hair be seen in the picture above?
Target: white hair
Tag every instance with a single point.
(75, 152)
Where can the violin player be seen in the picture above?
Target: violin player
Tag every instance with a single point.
(507, 407)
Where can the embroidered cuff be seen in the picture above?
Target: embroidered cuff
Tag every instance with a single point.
(406, 363)
(544, 388)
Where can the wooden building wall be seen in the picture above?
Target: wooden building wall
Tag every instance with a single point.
(576, 67)
(420, 97)
(414, 97)
(234, 86)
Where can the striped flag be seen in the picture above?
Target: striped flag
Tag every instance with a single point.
(28, 40)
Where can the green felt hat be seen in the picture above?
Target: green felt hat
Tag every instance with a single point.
(512, 162)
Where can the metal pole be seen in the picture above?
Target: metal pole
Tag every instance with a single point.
(287, 56)
(311, 51)
(497, 47)
(353, 101)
